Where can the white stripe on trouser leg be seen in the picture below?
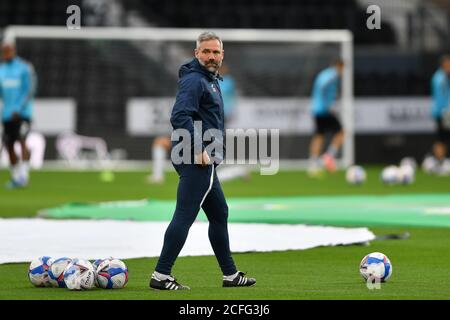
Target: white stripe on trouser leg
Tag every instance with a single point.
(210, 184)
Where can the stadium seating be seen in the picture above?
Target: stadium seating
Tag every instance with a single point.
(308, 14)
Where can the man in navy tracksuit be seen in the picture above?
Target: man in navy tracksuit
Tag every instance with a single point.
(199, 100)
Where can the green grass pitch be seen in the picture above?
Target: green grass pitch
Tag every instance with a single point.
(419, 263)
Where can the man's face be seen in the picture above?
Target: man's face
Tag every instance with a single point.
(8, 52)
(446, 66)
(210, 55)
(339, 68)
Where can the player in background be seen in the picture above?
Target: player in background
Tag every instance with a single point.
(324, 95)
(160, 148)
(229, 96)
(440, 91)
(17, 89)
(229, 93)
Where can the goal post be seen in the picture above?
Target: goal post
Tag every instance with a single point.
(306, 45)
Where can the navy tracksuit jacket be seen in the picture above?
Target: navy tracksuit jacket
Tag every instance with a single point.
(198, 99)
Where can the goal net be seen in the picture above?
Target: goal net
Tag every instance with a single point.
(124, 80)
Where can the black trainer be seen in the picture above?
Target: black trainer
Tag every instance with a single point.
(239, 281)
(168, 284)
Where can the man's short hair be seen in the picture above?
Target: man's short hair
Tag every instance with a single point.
(206, 36)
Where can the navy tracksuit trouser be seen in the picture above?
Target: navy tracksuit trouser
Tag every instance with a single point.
(198, 187)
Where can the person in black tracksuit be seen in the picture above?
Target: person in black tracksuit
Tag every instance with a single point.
(199, 100)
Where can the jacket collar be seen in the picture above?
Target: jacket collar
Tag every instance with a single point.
(195, 66)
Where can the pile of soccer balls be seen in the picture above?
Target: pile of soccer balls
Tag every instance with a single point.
(431, 165)
(78, 274)
(390, 175)
(402, 174)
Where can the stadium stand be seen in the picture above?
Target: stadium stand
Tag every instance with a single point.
(399, 71)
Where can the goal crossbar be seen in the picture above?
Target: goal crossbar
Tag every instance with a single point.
(344, 37)
(117, 33)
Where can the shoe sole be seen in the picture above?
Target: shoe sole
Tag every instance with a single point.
(163, 289)
(238, 286)
(158, 289)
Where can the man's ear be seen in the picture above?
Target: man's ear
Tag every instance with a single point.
(196, 52)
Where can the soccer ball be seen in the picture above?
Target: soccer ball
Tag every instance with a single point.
(444, 168)
(355, 175)
(79, 275)
(56, 272)
(95, 264)
(406, 174)
(430, 164)
(390, 175)
(408, 161)
(375, 266)
(112, 274)
(38, 271)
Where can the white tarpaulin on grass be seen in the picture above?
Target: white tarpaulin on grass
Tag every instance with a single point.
(22, 240)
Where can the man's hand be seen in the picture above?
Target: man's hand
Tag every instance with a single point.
(202, 158)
